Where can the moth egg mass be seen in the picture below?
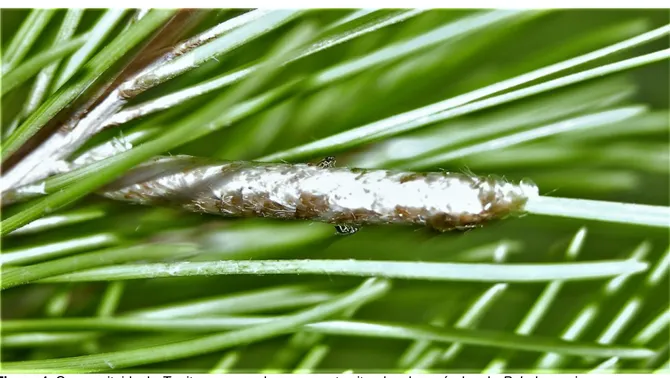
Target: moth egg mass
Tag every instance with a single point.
(346, 197)
(528, 188)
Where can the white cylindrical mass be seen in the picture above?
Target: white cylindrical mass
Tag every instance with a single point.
(439, 200)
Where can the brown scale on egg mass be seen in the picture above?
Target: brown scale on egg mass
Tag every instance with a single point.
(412, 177)
(310, 206)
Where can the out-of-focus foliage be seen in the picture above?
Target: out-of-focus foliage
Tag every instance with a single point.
(386, 62)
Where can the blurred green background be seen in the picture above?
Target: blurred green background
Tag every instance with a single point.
(624, 161)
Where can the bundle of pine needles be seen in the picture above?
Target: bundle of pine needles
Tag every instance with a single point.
(92, 99)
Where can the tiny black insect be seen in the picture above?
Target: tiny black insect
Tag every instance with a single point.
(346, 229)
(327, 162)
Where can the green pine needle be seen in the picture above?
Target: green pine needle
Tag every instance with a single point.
(575, 100)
